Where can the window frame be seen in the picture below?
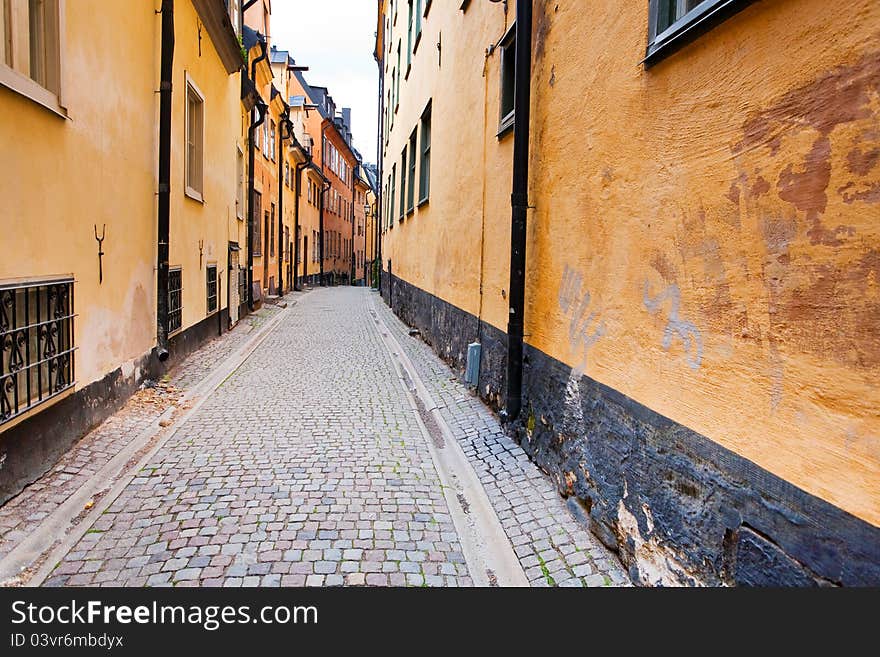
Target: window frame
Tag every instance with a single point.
(689, 26)
(403, 172)
(507, 45)
(209, 281)
(425, 155)
(55, 351)
(50, 95)
(191, 191)
(411, 173)
(173, 312)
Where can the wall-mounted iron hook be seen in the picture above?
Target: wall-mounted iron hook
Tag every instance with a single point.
(201, 251)
(100, 251)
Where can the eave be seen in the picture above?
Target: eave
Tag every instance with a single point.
(216, 21)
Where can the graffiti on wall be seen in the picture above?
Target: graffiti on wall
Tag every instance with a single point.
(584, 328)
(676, 328)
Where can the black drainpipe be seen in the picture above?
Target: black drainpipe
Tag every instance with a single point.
(298, 192)
(255, 123)
(380, 201)
(352, 264)
(164, 213)
(282, 125)
(325, 187)
(519, 201)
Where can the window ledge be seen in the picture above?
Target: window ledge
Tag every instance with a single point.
(408, 69)
(417, 41)
(24, 86)
(506, 125)
(410, 211)
(194, 195)
(423, 201)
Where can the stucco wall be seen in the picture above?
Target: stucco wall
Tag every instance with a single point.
(704, 238)
(62, 177)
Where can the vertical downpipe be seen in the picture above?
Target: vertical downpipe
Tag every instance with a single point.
(164, 200)
(299, 168)
(281, 127)
(519, 201)
(255, 123)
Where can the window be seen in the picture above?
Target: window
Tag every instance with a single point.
(195, 139)
(175, 300)
(397, 82)
(409, 36)
(272, 231)
(673, 23)
(234, 7)
(239, 191)
(36, 344)
(425, 165)
(257, 245)
(211, 287)
(411, 183)
(285, 248)
(287, 174)
(390, 203)
(266, 139)
(508, 80)
(403, 184)
(272, 148)
(418, 29)
(30, 52)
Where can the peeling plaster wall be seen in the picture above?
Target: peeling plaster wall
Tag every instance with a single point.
(704, 246)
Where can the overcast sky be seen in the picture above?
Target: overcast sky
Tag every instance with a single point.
(335, 39)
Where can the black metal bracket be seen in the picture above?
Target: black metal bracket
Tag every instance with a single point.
(100, 251)
(201, 251)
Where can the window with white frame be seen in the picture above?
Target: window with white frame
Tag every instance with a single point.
(195, 139)
(30, 52)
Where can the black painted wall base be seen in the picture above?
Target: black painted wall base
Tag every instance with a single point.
(31, 448)
(676, 506)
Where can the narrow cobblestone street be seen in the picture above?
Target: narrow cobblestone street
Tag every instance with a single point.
(309, 466)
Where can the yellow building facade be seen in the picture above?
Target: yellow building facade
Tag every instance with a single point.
(701, 286)
(79, 218)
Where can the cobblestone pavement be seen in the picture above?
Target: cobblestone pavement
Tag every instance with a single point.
(22, 514)
(307, 466)
(553, 548)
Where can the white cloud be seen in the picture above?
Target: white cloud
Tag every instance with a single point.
(335, 39)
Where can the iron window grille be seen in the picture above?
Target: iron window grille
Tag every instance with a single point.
(36, 344)
(175, 300)
(211, 287)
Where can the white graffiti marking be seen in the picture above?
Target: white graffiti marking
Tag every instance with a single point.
(687, 332)
(575, 302)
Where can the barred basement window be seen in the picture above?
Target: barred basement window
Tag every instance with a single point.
(211, 287)
(36, 344)
(175, 300)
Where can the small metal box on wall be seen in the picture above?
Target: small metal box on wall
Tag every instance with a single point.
(472, 372)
